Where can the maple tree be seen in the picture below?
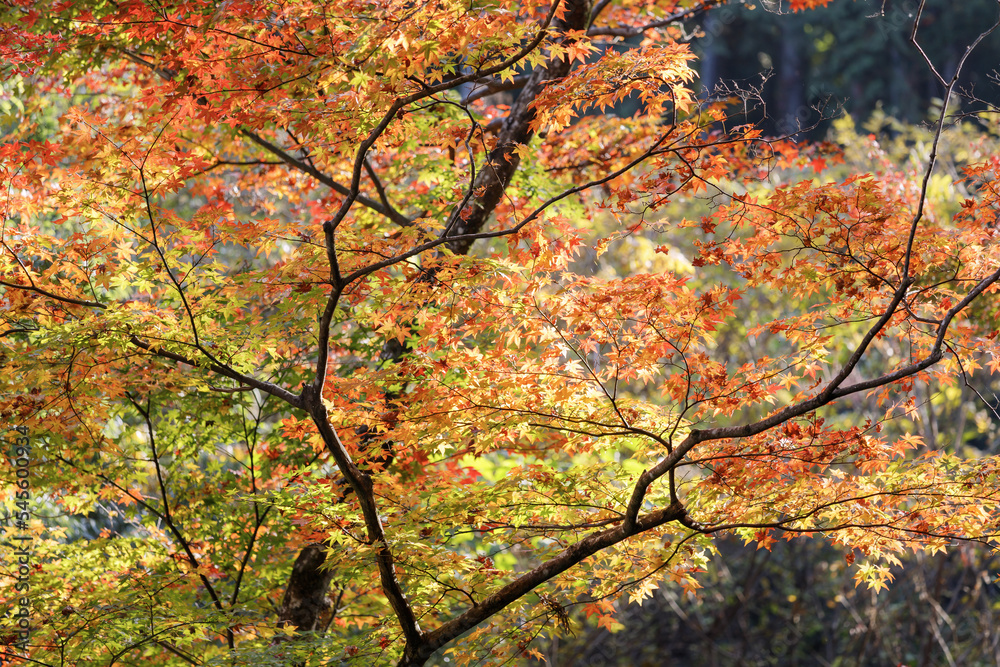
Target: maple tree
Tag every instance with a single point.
(303, 311)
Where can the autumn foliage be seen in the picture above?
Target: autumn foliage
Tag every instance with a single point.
(318, 285)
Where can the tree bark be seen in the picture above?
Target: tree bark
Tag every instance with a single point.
(308, 585)
(306, 597)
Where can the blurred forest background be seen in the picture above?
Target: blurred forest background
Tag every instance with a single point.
(847, 73)
(854, 56)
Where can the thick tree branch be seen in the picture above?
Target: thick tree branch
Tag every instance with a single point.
(383, 208)
(501, 163)
(425, 92)
(267, 387)
(530, 580)
(481, 89)
(516, 128)
(828, 395)
(361, 484)
(214, 366)
(54, 296)
(313, 392)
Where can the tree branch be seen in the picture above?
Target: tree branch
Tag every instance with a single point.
(934, 355)
(384, 208)
(566, 559)
(361, 484)
(52, 295)
(680, 15)
(481, 89)
(267, 387)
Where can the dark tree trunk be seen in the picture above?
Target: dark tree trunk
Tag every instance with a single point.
(792, 112)
(305, 599)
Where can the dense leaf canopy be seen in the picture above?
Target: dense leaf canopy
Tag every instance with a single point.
(372, 329)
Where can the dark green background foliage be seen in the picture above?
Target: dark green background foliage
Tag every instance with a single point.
(854, 53)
